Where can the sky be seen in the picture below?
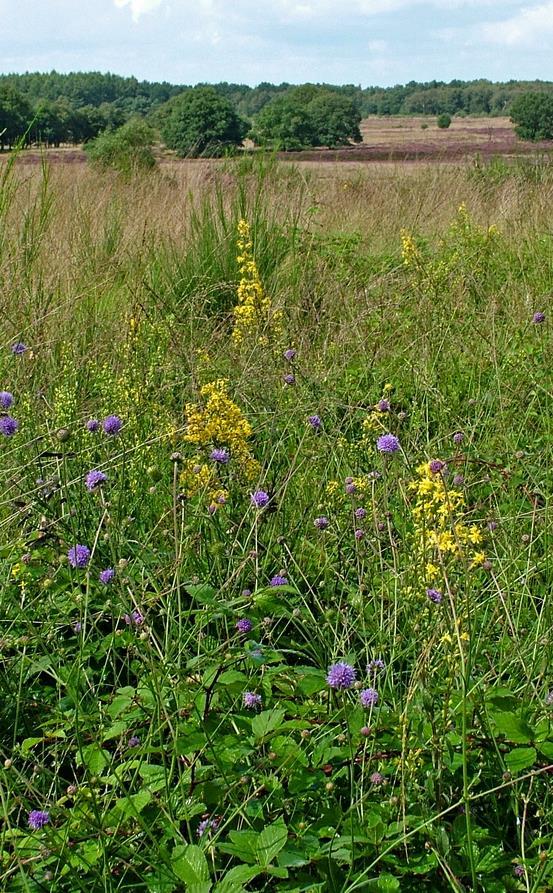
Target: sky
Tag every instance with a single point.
(367, 42)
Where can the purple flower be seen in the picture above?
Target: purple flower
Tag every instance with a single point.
(277, 580)
(106, 576)
(260, 499)
(289, 378)
(207, 825)
(290, 354)
(376, 778)
(8, 425)
(321, 523)
(374, 475)
(95, 479)
(220, 455)
(434, 595)
(359, 534)
(375, 665)
(458, 480)
(315, 421)
(350, 487)
(360, 513)
(18, 348)
(368, 697)
(246, 593)
(135, 618)
(383, 405)
(112, 425)
(436, 465)
(251, 700)
(79, 556)
(6, 399)
(77, 626)
(538, 317)
(244, 625)
(341, 675)
(492, 525)
(92, 425)
(387, 443)
(37, 819)
(518, 871)
(549, 699)
(458, 438)
(134, 741)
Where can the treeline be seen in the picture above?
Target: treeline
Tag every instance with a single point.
(53, 108)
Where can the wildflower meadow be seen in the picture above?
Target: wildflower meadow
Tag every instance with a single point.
(275, 552)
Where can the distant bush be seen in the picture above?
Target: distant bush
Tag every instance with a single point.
(308, 116)
(127, 149)
(443, 121)
(201, 122)
(532, 113)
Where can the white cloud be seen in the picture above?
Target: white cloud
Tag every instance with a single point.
(531, 26)
(139, 7)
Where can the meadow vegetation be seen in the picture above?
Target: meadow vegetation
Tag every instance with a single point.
(275, 554)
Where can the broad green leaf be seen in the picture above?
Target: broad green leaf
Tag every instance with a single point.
(190, 865)
(96, 759)
(243, 845)
(236, 877)
(513, 727)
(270, 842)
(520, 758)
(266, 722)
(547, 750)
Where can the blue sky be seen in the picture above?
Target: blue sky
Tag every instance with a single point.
(339, 41)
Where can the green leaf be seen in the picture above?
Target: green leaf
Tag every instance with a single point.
(520, 758)
(190, 865)
(266, 722)
(547, 750)
(202, 592)
(134, 804)
(270, 842)
(96, 759)
(236, 877)
(243, 845)
(514, 727)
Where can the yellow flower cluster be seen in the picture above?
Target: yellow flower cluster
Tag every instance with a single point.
(216, 422)
(252, 313)
(409, 251)
(441, 532)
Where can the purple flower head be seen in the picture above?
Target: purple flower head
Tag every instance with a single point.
(112, 425)
(289, 378)
(79, 556)
(251, 700)
(350, 487)
(375, 665)
(95, 479)
(244, 625)
(374, 475)
(549, 698)
(246, 593)
(37, 819)
(135, 618)
(359, 534)
(376, 778)
(8, 425)
(321, 523)
(18, 348)
(92, 425)
(518, 871)
(436, 465)
(492, 525)
(206, 826)
(316, 422)
(6, 399)
(360, 513)
(383, 405)
(538, 317)
(434, 595)
(368, 697)
(340, 675)
(290, 354)
(260, 499)
(106, 576)
(387, 443)
(458, 480)
(278, 580)
(458, 438)
(134, 741)
(219, 454)
(77, 626)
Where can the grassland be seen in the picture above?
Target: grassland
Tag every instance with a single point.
(176, 725)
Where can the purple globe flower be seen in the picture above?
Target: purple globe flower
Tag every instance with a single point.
(376, 778)
(95, 479)
(37, 819)
(387, 443)
(290, 354)
(458, 480)
(538, 317)
(220, 455)
(206, 826)
(251, 700)
(341, 675)
(8, 425)
(6, 399)
(278, 580)
(18, 348)
(359, 534)
(321, 523)
(79, 556)
(436, 465)
(106, 576)
(289, 378)
(383, 405)
(134, 741)
(112, 425)
(260, 499)
(316, 422)
(518, 871)
(360, 513)
(368, 697)
(434, 595)
(375, 665)
(458, 438)
(350, 487)
(135, 618)
(244, 625)
(92, 425)
(77, 626)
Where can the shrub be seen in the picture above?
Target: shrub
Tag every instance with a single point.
(308, 116)
(532, 113)
(201, 122)
(443, 121)
(127, 149)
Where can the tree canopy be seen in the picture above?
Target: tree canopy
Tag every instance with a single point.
(532, 113)
(308, 116)
(201, 122)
